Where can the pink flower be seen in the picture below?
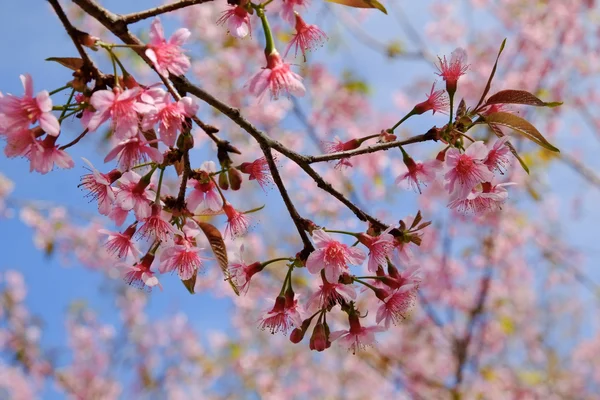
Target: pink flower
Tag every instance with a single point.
(282, 316)
(240, 272)
(437, 101)
(18, 143)
(170, 117)
(259, 171)
(454, 69)
(43, 154)
(330, 294)
(132, 195)
(307, 37)
(134, 151)
(182, 257)
(121, 107)
(499, 156)
(238, 21)
(396, 305)
(237, 222)
(288, 11)
(98, 185)
(277, 77)
(418, 173)
(118, 215)
(332, 256)
(20, 112)
(205, 195)
(467, 169)
(380, 247)
(121, 244)
(356, 337)
(167, 56)
(140, 276)
(157, 225)
(483, 198)
(338, 146)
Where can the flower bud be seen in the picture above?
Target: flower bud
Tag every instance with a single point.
(223, 181)
(318, 340)
(235, 178)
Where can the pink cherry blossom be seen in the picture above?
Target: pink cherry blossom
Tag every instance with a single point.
(134, 151)
(332, 256)
(20, 112)
(330, 294)
(277, 77)
(337, 146)
(307, 37)
(465, 170)
(139, 275)
(418, 173)
(44, 154)
(483, 198)
(282, 316)
(98, 185)
(357, 337)
(157, 225)
(289, 7)
(167, 56)
(395, 307)
(170, 117)
(499, 156)
(121, 244)
(133, 195)
(182, 257)
(123, 108)
(18, 143)
(259, 171)
(451, 71)
(237, 20)
(240, 272)
(437, 101)
(380, 248)
(205, 195)
(237, 222)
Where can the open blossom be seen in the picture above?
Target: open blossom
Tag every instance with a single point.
(157, 225)
(357, 337)
(20, 112)
(98, 185)
(452, 70)
(240, 272)
(288, 9)
(134, 151)
(330, 294)
(258, 170)
(483, 198)
(205, 195)
(307, 37)
(44, 154)
(121, 244)
(396, 305)
(18, 143)
(380, 247)
(182, 257)
(133, 195)
(437, 101)
(237, 20)
(332, 256)
(122, 107)
(499, 156)
(170, 117)
(338, 146)
(465, 170)
(418, 173)
(167, 55)
(237, 222)
(139, 275)
(282, 316)
(277, 77)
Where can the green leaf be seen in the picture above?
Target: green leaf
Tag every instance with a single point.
(72, 63)
(489, 82)
(190, 284)
(512, 149)
(218, 247)
(521, 126)
(361, 4)
(519, 97)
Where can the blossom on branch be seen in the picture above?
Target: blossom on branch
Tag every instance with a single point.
(167, 56)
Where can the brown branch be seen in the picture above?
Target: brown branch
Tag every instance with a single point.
(152, 12)
(430, 135)
(75, 141)
(581, 168)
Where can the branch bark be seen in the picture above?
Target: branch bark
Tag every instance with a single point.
(153, 12)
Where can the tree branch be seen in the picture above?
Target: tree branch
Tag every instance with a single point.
(152, 12)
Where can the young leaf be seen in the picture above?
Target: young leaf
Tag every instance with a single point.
(521, 126)
(361, 4)
(72, 63)
(519, 97)
(190, 284)
(218, 247)
(489, 82)
(512, 149)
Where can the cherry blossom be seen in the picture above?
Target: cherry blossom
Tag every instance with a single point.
(99, 187)
(167, 55)
(465, 170)
(240, 272)
(332, 256)
(258, 170)
(277, 77)
(357, 337)
(307, 37)
(237, 222)
(437, 101)
(170, 117)
(44, 154)
(282, 316)
(122, 244)
(452, 70)
(237, 20)
(134, 151)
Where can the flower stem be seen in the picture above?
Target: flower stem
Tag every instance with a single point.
(342, 232)
(275, 260)
(365, 283)
(270, 43)
(407, 116)
(59, 89)
(64, 111)
(160, 179)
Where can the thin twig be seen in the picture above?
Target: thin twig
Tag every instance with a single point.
(152, 12)
(75, 141)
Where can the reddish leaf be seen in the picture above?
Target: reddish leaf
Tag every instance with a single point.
(361, 4)
(489, 82)
(220, 251)
(519, 97)
(190, 284)
(72, 63)
(521, 126)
